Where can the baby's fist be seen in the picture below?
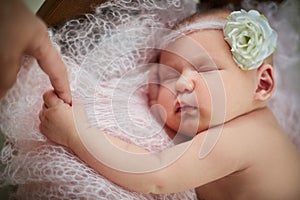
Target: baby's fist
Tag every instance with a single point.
(57, 122)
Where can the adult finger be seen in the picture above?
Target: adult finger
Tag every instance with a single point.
(51, 99)
(11, 46)
(9, 70)
(51, 63)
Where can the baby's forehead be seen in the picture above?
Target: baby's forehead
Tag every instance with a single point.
(184, 48)
(195, 58)
(199, 47)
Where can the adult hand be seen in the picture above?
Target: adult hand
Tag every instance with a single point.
(23, 33)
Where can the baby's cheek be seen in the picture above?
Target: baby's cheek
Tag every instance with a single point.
(166, 98)
(165, 102)
(203, 95)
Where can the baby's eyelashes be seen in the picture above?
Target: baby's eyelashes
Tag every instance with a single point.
(168, 75)
(205, 68)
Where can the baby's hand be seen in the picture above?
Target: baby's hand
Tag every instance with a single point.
(57, 122)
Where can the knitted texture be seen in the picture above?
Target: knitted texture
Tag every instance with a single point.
(98, 50)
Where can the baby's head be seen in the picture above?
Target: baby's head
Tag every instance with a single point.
(208, 77)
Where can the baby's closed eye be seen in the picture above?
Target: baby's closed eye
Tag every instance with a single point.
(206, 68)
(168, 75)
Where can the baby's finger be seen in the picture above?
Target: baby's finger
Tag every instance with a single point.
(43, 129)
(41, 116)
(44, 107)
(42, 113)
(51, 99)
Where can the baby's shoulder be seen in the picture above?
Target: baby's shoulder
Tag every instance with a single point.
(258, 136)
(258, 124)
(251, 134)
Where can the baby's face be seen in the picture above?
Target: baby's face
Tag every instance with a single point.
(200, 85)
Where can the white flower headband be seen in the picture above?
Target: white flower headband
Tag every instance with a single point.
(250, 37)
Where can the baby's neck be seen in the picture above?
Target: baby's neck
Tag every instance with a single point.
(176, 136)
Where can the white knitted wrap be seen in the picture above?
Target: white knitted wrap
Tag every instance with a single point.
(98, 49)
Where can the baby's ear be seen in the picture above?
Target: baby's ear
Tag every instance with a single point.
(265, 82)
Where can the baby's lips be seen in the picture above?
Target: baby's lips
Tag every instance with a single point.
(179, 106)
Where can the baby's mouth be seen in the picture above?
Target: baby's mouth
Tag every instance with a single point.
(185, 108)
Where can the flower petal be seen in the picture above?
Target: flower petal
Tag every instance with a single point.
(250, 37)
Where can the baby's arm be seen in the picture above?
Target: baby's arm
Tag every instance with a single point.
(172, 170)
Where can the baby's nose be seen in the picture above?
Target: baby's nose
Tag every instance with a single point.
(184, 84)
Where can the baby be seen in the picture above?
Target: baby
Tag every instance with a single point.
(214, 85)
